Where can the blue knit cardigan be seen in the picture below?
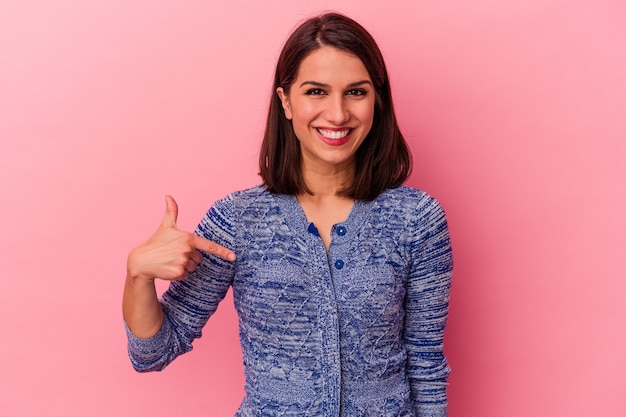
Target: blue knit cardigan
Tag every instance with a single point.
(357, 331)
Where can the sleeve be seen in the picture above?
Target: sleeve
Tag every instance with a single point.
(428, 294)
(188, 304)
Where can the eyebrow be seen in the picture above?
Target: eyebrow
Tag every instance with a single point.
(351, 85)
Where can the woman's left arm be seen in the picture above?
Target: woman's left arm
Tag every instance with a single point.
(428, 295)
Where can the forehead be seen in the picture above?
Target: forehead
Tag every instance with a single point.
(331, 66)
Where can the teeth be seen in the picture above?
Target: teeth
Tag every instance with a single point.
(334, 134)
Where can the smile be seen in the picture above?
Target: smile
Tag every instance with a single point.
(334, 134)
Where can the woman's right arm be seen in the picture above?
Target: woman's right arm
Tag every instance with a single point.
(169, 254)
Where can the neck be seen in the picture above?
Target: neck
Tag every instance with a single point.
(324, 182)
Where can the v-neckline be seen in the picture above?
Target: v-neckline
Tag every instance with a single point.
(296, 219)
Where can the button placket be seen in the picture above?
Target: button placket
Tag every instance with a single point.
(339, 231)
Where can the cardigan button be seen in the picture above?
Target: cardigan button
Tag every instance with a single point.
(338, 264)
(341, 230)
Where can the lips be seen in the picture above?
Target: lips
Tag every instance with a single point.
(334, 137)
(334, 134)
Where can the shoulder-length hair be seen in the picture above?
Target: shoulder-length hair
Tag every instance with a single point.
(382, 161)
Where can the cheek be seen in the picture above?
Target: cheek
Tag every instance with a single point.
(366, 114)
(304, 112)
(302, 117)
(300, 121)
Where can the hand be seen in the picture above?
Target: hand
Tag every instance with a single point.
(171, 254)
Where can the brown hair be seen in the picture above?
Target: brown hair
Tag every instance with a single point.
(382, 161)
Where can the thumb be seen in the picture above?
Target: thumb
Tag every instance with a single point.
(171, 212)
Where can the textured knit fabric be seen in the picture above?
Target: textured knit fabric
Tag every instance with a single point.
(357, 331)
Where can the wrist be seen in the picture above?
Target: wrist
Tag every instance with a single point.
(134, 272)
(138, 280)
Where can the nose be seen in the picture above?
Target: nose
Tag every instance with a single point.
(337, 111)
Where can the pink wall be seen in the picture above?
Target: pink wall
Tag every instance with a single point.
(515, 111)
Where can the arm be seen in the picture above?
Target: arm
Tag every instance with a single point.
(428, 294)
(169, 254)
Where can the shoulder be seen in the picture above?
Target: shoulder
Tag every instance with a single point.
(248, 194)
(233, 210)
(239, 200)
(411, 202)
(409, 214)
(252, 205)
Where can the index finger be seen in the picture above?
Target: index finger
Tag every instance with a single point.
(209, 246)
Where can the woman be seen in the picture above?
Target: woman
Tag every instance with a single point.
(342, 275)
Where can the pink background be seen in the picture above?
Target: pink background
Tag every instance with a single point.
(516, 114)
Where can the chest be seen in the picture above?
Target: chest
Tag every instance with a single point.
(325, 216)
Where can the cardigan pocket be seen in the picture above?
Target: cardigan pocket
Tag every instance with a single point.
(283, 397)
(390, 397)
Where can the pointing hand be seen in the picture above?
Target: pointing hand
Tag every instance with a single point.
(170, 253)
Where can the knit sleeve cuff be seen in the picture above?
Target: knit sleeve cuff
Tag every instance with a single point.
(433, 410)
(148, 354)
(431, 399)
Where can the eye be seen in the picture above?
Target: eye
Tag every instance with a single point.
(315, 92)
(358, 92)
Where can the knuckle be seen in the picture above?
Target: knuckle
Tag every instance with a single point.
(188, 240)
(196, 258)
(177, 272)
(181, 260)
(211, 246)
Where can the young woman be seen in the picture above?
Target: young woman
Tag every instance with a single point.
(342, 275)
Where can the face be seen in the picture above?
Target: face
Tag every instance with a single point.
(331, 106)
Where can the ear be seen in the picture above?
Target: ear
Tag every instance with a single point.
(284, 99)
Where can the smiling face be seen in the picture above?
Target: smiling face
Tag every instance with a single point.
(331, 106)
